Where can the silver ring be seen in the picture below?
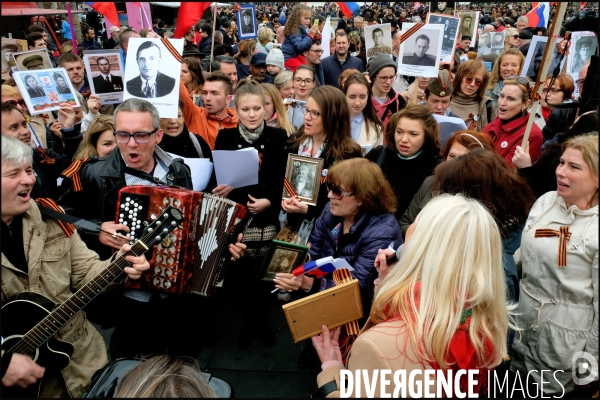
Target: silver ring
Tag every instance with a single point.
(114, 236)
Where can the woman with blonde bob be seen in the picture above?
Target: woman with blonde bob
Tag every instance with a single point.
(437, 301)
(275, 112)
(98, 139)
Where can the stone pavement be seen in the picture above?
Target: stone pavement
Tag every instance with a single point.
(257, 371)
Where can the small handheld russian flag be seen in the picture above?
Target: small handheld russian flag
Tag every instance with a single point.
(348, 8)
(321, 267)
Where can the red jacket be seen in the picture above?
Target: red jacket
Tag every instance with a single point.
(508, 136)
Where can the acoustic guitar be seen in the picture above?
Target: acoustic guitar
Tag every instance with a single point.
(30, 320)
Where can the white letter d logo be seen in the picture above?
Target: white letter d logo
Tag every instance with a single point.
(581, 363)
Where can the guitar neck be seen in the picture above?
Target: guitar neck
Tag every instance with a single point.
(47, 327)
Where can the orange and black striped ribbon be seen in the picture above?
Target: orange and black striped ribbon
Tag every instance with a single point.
(172, 49)
(67, 228)
(260, 160)
(45, 158)
(323, 178)
(474, 123)
(340, 276)
(288, 186)
(405, 35)
(563, 237)
(73, 173)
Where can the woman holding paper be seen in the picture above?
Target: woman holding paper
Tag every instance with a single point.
(262, 200)
(325, 134)
(429, 307)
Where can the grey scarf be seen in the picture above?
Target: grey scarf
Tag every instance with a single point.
(251, 136)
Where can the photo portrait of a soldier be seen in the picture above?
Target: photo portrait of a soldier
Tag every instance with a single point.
(151, 82)
(484, 44)
(420, 56)
(583, 53)
(33, 62)
(247, 22)
(442, 7)
(33, 88)
(61, 83)
(498, 40)
(304, 180)
(106, 82)
(378, 47)
(466, 25)
(450, 26)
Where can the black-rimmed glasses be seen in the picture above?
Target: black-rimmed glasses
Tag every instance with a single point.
(337, 191)
(138, 137)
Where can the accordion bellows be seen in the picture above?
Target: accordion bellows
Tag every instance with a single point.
(190, 259)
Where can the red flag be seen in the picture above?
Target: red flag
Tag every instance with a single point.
(108, 10)
(189, 13)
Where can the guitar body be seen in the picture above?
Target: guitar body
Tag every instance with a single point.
(22, 313)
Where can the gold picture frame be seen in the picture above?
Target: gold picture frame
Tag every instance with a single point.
(304, 174)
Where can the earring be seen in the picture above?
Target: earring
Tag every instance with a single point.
(524, 112)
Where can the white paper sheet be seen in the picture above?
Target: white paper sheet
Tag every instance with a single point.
(448, 127)
(236, 168)
(201, 169)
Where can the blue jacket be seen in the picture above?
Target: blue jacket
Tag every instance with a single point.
(294, 45)
(369, 234)
(332, 68)
(66, 30)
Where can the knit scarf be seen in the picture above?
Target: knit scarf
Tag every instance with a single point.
(498, 88)
(463, 105)
(273, 121)
(251, 136)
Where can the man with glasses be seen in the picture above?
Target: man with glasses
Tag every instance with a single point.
(382, 73)
(137, 160)
(337, 63)
(420, 56)
(312, 58)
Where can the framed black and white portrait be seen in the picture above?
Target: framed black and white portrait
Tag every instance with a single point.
(469, 21)
(152, 73)
(378, 40)
(421, 51)
(45, 89)
(303, 178)
(282, 257)
(32, 60)
(442, 7)
(246, 22)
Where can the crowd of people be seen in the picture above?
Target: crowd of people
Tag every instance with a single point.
(487, 230)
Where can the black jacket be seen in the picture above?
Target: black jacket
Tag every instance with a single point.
(559, 121)
(102, 86)
(101, 179)
(68, 144)
(46, 172)
(164, 85)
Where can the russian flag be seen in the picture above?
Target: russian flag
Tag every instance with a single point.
(539, 16)
(108, 10)
(321, 267)
(349, 8)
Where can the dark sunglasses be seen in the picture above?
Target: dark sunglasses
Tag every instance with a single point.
(337, 191)
(19, 102)
(521, 80)
(470, 81)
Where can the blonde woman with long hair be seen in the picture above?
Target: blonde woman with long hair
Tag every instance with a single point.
(509, 63)
(275, 112)
(440, 307)
(98, 139)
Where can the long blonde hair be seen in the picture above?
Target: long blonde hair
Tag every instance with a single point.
(451, 279)
(495, 74)
(588, 145)
(87, 146)
(283, 121)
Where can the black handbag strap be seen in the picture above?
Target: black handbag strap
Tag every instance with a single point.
(80, 224)
(381, 156)
(144, 175)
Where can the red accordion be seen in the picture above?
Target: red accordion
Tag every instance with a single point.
(191, 258)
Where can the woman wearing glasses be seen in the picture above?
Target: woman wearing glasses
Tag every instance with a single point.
(511, 38)
(303, 83)
(262, 200)
(468, 99)
(509, 63)
(365, 127)
(410, 154)
(325, 134)
(508, 129)
(561, 90)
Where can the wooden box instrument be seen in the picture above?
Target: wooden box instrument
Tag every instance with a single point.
(190, 259)
(332, 307)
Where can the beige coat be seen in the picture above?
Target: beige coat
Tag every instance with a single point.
(372, 141)
(384, 346)
(59, 265)
(558, 307)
